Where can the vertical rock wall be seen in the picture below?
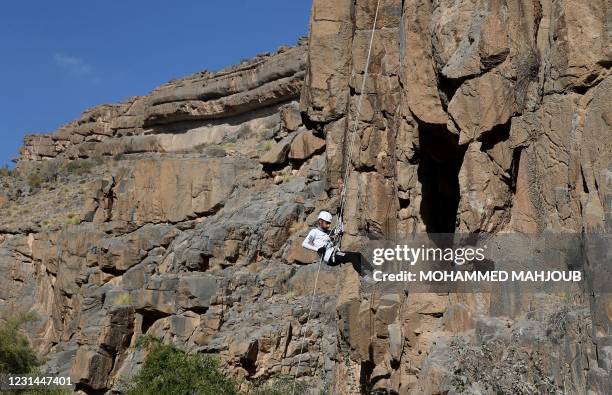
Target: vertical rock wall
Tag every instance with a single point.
(469, 111)
(477, 116)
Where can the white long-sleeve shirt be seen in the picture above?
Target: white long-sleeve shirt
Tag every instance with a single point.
(316, 239)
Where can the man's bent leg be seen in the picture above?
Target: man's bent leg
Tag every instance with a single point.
(354, 258)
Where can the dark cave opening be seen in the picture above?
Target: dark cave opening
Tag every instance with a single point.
(249, 366)
(585, 187)
(440, 159)
(447, 88)
(149, 318)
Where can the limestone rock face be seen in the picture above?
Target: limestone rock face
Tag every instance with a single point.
(204, 108)
(476, 116)
(419, 72)
(329, 48)
(175, 190)
(470, 122)
(480, 104)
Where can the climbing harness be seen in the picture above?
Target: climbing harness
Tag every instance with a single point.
(347, 168)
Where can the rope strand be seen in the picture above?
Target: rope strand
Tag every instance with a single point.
(314, 292)
(345, 178)
(347, 169)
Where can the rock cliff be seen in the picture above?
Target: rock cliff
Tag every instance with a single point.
(186, 223)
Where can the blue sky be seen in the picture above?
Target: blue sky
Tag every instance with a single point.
(62, 57)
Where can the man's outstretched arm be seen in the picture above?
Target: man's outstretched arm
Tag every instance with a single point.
(308, 242)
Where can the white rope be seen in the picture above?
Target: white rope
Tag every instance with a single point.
(347, 165)
(314, 291)
(346, 175)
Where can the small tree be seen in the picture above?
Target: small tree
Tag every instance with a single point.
(169, 370)
(16, 353)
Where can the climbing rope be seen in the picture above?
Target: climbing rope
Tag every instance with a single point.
(347, 165)
(347, 169)
(314, 292)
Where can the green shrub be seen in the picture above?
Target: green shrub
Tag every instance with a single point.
(268, 145)
(79, 166)
(73, 219)
(16, 353)
(168, 370)
(123, 299)
(259, 135)
(35, 180)
(18, 357)
(46, 171)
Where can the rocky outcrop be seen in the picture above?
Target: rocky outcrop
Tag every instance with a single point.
(476, 117)
(197, 110)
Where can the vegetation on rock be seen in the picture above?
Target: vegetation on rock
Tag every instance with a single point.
(169, 370)
(16, 354)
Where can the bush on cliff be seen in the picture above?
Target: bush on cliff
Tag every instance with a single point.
(51, 171)
(169, 370)
(34, 181)
(80, 166)
(16, 354)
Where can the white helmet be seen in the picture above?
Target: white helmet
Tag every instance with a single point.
(325, 216)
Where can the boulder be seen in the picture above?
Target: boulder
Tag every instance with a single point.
(121, 253)
(480, 104)
(485, 198)
(299, 254)
(291, 118)
(196, 291)
(305, 144)
(118, 329)
(91, 368)
(329, 58)
(278, 153)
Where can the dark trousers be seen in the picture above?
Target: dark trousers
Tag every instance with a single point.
(359, 263)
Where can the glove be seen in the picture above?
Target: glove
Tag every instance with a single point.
(321, 250)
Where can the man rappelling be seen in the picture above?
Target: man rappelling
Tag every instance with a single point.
(324, 240)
